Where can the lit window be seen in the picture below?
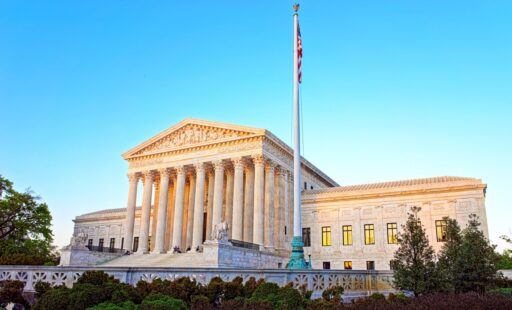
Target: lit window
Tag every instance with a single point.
(369, 234)
(326, 235)
(306, 236)
(441, 230)
(326, 265)
(392, 233)
(370, 265)
(347, 264)
(347, 235)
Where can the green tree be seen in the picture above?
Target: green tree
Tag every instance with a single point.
(472, 260)
(25, 233)
(505, 259)
(448, 257)
(413, 264)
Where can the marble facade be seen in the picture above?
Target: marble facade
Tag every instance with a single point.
(199, 175)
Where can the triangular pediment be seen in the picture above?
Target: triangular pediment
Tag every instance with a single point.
(192, 133)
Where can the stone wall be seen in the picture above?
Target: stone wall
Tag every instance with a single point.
(355, 282)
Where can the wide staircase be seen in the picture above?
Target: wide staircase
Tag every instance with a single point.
(155, 260)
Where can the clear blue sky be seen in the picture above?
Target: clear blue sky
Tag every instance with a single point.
(391, 89)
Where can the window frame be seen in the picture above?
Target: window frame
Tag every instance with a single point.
(369, 234)
(441, 227)
(326, 236)
(370, 263)
(112, 244)
(394, 233)
(348, 230)
(306, 236)
(347, 263)
(135, 246)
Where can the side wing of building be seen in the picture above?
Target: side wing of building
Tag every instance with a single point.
(355, 226)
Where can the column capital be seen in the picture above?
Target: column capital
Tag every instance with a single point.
(218, 165)
(149, 175)
(200, 167)
(180, 170)
(238, 162)
(258, 159)
(270, 165)
(133, 177)
(164, 172)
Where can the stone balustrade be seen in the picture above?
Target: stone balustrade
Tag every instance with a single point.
(355, 282)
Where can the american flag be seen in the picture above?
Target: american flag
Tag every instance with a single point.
(299, 53)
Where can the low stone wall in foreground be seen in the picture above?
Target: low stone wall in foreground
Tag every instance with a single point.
(355, 282)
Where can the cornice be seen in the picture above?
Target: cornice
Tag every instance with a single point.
(321, 197)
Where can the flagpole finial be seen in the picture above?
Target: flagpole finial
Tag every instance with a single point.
(296, 7)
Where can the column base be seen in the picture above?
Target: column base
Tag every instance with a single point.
(297, 260)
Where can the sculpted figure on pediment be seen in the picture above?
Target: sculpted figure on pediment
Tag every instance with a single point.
(192, 135)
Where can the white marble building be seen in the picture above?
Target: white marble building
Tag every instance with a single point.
(216, 173)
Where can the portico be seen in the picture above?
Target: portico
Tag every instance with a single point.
(199, 174)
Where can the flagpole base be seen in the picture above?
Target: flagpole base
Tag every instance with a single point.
(297, 260)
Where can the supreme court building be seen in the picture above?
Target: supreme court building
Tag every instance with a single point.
(220, 195)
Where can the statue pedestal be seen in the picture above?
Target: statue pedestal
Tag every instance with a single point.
(297, 260)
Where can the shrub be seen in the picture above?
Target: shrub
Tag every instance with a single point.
(200, 302)
(83, 296)
(41, 287)
(162, 302)
(398, 298)
(56, 298)
(96, 277)
(127, 305)
(377, 297)
(333, 294)
(251, 285)
(12, 291)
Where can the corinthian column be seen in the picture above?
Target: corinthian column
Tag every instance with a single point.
(161, 221)
(259, 196)
(217, 193)
(191, 204)
(238, 200)
(178, 208)
(249, 203)
(146, 209)
(269, 206)
(197, 235)
(209, 205)
(228, 215)
(133, 179)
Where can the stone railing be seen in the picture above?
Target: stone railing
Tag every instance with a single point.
(355, 282)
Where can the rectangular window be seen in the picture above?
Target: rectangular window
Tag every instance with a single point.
(100, 245)
(122, 243)
(306, 236)
(392, 233)
(347, 265)
(326, 236)
(135, 244)
(369, 234)
(370, 265)
(441, 230)
(347, 235)
(112, 244)
(326, 265)
(89, 244)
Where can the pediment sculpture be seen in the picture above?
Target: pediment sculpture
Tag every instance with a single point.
(191, 135)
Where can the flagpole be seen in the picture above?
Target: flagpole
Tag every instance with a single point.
(297, 260)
